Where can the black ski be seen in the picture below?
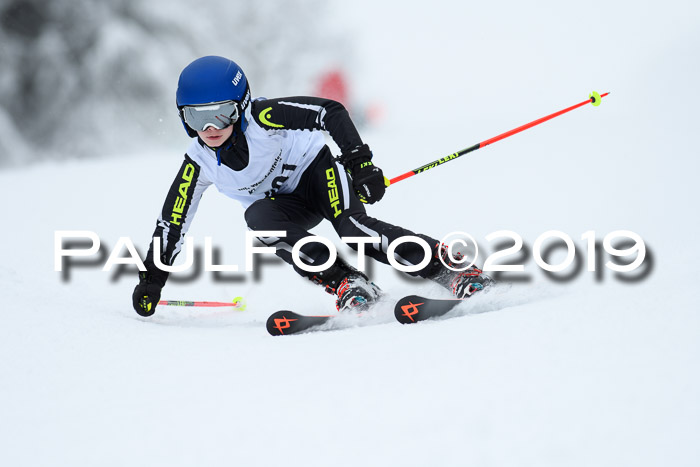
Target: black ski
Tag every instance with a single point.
(409, 309)
(414, 308)
(285, 322)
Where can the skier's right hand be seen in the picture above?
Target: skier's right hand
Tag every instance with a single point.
(146, 294)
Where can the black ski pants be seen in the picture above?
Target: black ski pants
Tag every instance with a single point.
(325, 192)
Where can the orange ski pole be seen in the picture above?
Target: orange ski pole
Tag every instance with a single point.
(594, 99)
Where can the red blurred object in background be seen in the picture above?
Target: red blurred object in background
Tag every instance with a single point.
(333, 85)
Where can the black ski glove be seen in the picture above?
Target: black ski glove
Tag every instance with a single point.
(367, 179)
(147, 293)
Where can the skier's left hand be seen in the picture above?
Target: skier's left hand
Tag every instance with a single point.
(367, 179)
(369, 183)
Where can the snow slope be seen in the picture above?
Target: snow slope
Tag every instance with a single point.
(583, 372)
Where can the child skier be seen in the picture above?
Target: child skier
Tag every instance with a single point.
(268, 155)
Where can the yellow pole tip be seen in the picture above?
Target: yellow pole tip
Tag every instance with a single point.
(239, 302)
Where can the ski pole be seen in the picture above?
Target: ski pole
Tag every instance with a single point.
(594, 99)
(238, 303)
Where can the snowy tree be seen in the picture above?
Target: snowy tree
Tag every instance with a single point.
(86, 77)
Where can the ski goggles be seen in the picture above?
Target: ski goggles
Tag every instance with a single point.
(218, 114)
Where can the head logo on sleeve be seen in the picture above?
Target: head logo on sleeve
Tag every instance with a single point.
(333, 196)
(265, 117)
(181, 200)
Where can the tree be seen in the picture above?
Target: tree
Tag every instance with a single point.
(84, 77)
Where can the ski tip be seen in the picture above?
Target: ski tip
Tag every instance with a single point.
(414, 308)
(280, 322)
(407, 309)
(285, 322)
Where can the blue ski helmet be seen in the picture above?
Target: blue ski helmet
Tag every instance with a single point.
(212, 79)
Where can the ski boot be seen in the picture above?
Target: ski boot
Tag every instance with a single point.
(462, 284)
(354, 291)
(466, 283)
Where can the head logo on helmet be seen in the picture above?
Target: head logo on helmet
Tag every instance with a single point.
(213, 79)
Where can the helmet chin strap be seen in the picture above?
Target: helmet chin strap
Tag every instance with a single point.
(241, 124)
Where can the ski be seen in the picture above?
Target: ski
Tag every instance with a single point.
(414, 308)
(285, 322)
(410, 309)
